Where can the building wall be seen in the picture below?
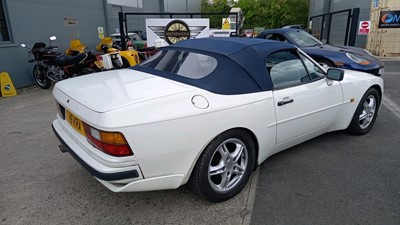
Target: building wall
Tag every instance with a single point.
(33, 21)
(384, 42)
(339, 21)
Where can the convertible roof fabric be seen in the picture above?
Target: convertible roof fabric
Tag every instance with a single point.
(241, 64)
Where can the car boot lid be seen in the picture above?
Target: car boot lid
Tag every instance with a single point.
(105, 91)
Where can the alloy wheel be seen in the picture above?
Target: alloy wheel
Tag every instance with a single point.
(228, 165)
(367, 112)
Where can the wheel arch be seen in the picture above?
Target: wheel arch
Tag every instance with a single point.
(243, 129)
(380, 91)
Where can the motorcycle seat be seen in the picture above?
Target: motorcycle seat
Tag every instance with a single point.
(64, 60)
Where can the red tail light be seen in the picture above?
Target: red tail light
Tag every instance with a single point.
(112, 143)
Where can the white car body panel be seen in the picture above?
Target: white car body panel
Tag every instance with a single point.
(315, 106)
(167, 133)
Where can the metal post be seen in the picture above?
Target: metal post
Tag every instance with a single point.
(122, 30)
(322, 28)
(329, 28)
(354, 24)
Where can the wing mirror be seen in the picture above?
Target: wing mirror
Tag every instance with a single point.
(53, 38)
(335, 74)
(23, 45)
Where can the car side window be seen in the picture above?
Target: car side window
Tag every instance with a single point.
(276, 37)
(286, 69)
(313, 70)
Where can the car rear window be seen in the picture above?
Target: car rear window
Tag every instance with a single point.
(186, 64)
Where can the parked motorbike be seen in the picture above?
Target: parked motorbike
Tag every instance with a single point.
(143, 53)
(55, 66)
(111, 56)
(129, 57)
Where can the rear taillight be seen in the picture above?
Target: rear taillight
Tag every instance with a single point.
(112, 143)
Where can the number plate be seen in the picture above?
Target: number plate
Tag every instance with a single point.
(99, 64)
(75, 122)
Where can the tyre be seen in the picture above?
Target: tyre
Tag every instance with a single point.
(325, 63)
(225, 166)
(366, 113)
(87, 70)
(125, 63)
(116, 64)
(40, 77)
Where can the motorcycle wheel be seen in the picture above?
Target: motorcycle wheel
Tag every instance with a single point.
(117, 64)
(87, 70)
(39, 75)
(125, 63)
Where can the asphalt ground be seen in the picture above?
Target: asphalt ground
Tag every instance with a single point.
(333, 179)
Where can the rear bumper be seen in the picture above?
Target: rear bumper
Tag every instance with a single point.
(116, 176)
(104, 170)
(100, 175)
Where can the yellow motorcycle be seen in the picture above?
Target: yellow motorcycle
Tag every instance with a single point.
(128, 57)
(76, 48)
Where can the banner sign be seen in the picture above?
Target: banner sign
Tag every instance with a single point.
(389, 19)
(174, 30)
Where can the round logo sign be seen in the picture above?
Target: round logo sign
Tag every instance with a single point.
(387, 18)
(175, 31)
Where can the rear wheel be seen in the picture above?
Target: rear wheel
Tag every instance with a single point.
(224, 167)
(366, 113)
(40, 77)
(87, 70)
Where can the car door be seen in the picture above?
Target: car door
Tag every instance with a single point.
(305, 103)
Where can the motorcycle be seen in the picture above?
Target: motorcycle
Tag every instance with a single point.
(129, 57)
(111, 56)
(55, 66)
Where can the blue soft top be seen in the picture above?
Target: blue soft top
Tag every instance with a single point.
(247, 55)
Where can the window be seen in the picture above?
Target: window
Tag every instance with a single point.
(186, 64)
(276, 37)
(4, 34)
(288, 69)
(314, 71)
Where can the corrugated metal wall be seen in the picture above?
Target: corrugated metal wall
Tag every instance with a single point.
(384, 42)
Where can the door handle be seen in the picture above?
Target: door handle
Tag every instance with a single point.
(285, 101)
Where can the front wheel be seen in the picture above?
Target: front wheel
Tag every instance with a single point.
(224, 167)
(40, 77)
(366, 113)
(324, 63)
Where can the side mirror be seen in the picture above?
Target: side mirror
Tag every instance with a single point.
(53, 38)
(23, 45)
(335, 74)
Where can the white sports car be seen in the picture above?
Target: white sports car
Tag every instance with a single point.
(206, 112)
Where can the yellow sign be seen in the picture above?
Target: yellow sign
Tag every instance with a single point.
(100, 31)
(7, 86)
(226, 24)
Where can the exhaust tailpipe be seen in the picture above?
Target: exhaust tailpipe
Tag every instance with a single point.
(62, 149)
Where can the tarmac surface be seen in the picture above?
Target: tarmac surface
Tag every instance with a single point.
(336, 178)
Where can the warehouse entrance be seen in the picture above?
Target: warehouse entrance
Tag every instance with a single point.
(338, 28)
